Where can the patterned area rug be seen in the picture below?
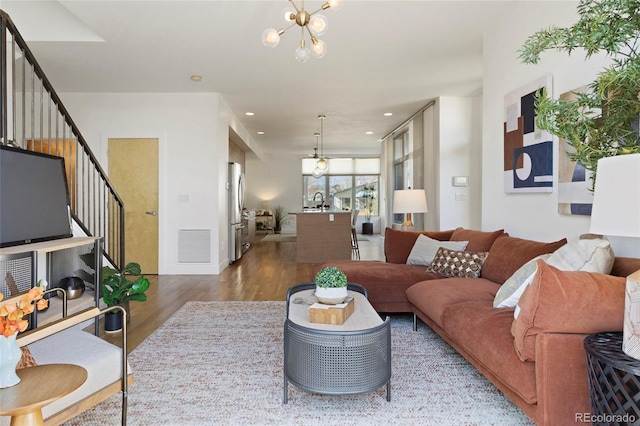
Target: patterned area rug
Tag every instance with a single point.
(220, 363)
(280, 238)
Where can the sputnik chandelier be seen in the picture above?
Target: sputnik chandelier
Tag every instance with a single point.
(322, 165)
(315, 25)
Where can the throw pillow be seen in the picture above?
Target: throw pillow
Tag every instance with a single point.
(425, 249)
(508, 254)
(478, 240)
(27, 359)
(454, 263)
(398, 244)
(511, 290)
(567, 302)
(590, 255)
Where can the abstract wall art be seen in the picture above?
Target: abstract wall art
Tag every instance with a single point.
(528, 151)
(574, 181)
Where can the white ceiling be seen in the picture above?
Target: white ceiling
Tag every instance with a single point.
(383, 56)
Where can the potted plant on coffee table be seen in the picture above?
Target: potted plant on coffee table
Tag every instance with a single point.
(331, 286)
(120, 288)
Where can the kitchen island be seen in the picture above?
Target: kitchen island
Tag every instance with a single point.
(323, 235)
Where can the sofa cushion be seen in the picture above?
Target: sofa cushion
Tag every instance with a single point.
(434, 296)
(398, 244)
(567, 302)
(456, 263)
(508, 254)
(592, 255)
(504, 297)
(484, 333)
(478, 240)
(102, 360)
(425, 249)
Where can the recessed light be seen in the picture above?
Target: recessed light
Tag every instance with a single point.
(196, 77)
(261, 133)
(249, 113)
(368, 133)
(388, 114)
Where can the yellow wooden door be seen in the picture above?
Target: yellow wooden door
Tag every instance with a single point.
(133, 171)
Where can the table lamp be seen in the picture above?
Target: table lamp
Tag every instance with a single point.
(409, 201)
(616, 212)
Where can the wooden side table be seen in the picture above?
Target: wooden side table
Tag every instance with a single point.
(614, 381)
(39, 386)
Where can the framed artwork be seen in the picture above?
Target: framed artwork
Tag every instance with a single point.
(528, 151)
(574, 181)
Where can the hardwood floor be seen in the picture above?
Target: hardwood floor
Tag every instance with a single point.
(265, 272)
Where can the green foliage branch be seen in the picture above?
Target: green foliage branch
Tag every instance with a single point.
(603, 121)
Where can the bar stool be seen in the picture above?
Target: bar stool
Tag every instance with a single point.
(354, 235)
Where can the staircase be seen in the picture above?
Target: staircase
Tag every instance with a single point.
(34, 118)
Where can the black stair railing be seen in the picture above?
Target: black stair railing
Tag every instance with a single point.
(34, 118)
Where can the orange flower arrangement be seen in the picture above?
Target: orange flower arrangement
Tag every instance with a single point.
(12, 314)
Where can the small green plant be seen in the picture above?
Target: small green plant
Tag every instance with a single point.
(119, 287)
(331, 277)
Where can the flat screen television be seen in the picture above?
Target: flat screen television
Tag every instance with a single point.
(34, 199)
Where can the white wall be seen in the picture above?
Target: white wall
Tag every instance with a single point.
(193, 142)
(458, 155)
(533, 216)
(275, 180)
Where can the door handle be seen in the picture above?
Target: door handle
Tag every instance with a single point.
(152, 213)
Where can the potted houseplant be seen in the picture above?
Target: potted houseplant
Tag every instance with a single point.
(279, 219)
(331, 285)
(119, 288)
(602, 122)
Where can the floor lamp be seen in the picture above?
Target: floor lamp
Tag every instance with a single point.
(409, 201)
(616, 212)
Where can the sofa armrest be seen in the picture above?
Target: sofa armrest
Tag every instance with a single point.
(561, 378)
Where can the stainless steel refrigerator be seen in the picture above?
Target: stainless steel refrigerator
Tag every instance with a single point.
(236, 204)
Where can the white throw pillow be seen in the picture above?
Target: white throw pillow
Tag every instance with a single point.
(425, 249)
(509, 293)
(595, 255)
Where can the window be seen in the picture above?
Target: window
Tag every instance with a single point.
(351, 183)
(402, 166)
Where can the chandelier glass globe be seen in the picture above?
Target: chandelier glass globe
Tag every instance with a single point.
(322, 165)
(316, 173)
(302, 54)
(270, 37)
(319, 49)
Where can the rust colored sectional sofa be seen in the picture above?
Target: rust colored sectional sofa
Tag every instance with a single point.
(543, 368)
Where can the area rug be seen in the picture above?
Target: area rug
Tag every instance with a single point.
(284, 238)
(220, 363)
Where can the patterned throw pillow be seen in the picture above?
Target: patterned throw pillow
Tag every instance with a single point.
(27, 359)
(453, 263)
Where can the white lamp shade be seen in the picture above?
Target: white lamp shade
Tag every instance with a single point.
(409, 201)
(616, 197)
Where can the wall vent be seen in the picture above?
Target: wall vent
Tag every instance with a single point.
(194, 246)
